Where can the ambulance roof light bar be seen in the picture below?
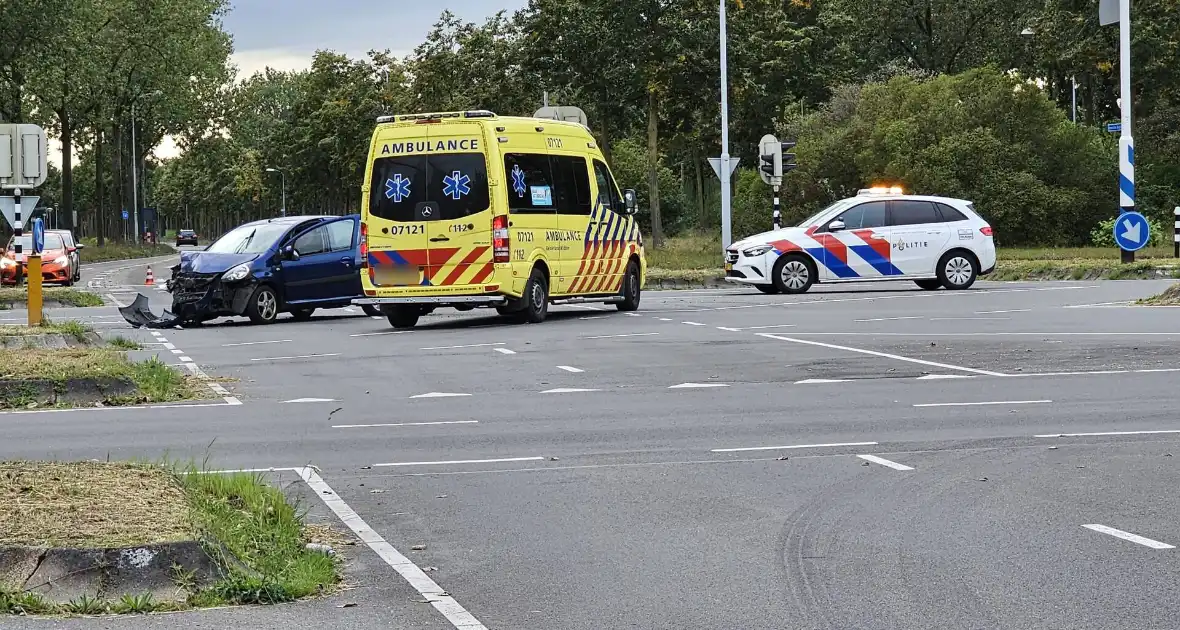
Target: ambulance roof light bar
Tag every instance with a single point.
(436, 116)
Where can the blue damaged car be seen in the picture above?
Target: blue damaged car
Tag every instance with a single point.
(261, 269)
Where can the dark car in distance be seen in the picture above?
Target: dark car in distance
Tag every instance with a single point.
(186, 237)
(258, 270)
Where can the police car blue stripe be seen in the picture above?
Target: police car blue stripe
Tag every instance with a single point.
(870, 255)
(831, 262)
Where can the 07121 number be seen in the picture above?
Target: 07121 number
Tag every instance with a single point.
(407, 229)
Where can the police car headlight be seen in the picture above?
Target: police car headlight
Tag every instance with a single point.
(237, 273)
(757, 250)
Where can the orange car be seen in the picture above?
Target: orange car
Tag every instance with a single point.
(56, 265)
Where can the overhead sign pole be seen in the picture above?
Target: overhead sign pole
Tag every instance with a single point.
(1110, 11)
(724, 172)
(23, 165)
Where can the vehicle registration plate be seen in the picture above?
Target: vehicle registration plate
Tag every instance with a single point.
(729, 266)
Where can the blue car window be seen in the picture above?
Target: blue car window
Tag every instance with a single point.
(314, 242)
(340, 235)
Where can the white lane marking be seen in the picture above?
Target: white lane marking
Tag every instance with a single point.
(410, 572)
(568, 390)
(473, 345)
(378, 334)
(887, 319)
(940, 377)
(885, 355)
(766, 327)
(698, 385)
(625, 335)
(310, 400)
(227, 403)
(238, 471)
(439, 395)
(175, 351)
(632, 314)
(254, 343)
(1128, 536)
(987, 403)
(779, 448)
(885, 462)
(403, 424)
(1061, 435)
(504, 351)
(586, 307)
(1015, 310)
(970, 319)
(693, 323)
(376, 317)
(570, 368)
(185, 360)
(156, 333)
(990, 334)
(940, 295)
(1098, 304)
(167, 346)
(301, 356)
(463, 461)
(593, 317)
(815, 381)
(729, 329)
(111, 297)
(664, 319)
(213, 385)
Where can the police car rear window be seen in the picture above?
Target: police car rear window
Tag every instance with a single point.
(457, 184)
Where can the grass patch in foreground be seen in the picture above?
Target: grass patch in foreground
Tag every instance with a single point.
(77, 330)
(95, 504)
(93, 253)
(155, 381)
(123, 343)
(60, 295)
(257, 525)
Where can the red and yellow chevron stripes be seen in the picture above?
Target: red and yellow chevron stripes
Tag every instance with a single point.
(474, 267)
(603, 261)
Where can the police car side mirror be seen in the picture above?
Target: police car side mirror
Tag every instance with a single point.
(630, 202)
(836, 226)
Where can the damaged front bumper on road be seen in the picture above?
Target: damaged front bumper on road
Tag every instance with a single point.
(195, 298)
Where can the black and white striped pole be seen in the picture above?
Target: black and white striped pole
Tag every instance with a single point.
(778, 214)
(17, 232)
(1176, 233)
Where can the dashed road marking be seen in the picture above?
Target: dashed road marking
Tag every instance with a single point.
(939, 377)
(817, 381)
(729, 329)
(300, 356)
(185, 360)
(647, 334)
(310, 400)
(885, 462)
(1128, 536)
(632, 314)
(693, 323)
(570, 368)
(254, 343)
(504, 351)
(986, 403)
(569, 390)
(473, 345)
(440, 395)
(379, 334)
(1103, 433)
(593, 317)
(698, 385)
(463, 461)
(1015, 310)
(887, 319)
(403, 424)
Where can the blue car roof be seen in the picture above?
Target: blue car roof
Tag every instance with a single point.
(299, 219)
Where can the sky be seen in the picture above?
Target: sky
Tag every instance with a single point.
(283, 34)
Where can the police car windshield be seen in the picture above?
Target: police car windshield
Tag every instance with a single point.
(249, 239)
(433, 187)
(810, 221)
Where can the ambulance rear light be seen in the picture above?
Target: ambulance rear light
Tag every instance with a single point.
(986, 230)
(500, 239)
(364, 244)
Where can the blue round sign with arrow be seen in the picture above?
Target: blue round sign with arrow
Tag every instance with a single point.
(38, 235)
(1132, 232)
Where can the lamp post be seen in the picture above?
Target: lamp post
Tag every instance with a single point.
(1028, 32)
(135, 163)
(283, 210)
(724, 172)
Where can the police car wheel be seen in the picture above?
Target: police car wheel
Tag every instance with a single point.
(794, 273)
(929, 285)
(536, 298)
(263, 307)
(403, 315)
(957, 270)
(630, 289)
(768, 289)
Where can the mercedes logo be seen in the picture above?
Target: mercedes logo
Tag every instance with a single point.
(426, 211)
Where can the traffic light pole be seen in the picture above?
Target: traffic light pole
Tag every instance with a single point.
(1126, 139)
(778, 215)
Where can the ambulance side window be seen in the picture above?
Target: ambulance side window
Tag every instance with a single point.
(608, 194)
(571, 183)
(530, 183)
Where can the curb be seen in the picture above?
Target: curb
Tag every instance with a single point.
(63, 575)
(49, 340)
(73, 391)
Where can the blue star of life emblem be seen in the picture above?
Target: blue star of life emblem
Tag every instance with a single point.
(397, 188)
(456, 185)
(518, 180)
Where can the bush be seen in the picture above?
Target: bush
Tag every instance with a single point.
(629, 165)
(1103, 235)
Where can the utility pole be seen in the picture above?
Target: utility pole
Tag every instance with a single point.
(283, 211)
(724, 171)
(1126, 140)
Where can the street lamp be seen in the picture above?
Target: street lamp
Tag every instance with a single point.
(135, 162)
(1028, 32)
(723, 171)
(283, 211)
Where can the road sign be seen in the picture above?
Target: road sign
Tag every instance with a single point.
(22, 156)
(1131, 231)
(8, 207)
(1114, 127)
(38, 235)
(716, 164)
(124, 215)
(1108, 12)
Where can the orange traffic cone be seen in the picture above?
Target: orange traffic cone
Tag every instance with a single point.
(150, 280)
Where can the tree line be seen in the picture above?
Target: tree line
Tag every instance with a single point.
(967, 99)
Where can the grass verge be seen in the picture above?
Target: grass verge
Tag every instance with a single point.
(95, 504)
(123, 343)
(49, 295)
(154, 380)
(93, 253)
(1170, 297)
(77, 330)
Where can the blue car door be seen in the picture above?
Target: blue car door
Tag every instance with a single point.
(344, 282)
(305, 278)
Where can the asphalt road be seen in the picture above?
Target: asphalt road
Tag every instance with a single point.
(866, 457)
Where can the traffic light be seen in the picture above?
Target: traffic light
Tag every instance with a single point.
(788, 164)
(769, 165)
(770, 160)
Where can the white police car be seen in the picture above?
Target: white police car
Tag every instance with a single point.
(881, 234)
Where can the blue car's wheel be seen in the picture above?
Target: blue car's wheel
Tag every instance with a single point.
(263, 307)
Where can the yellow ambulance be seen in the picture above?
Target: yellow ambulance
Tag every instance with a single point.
(470, 209)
